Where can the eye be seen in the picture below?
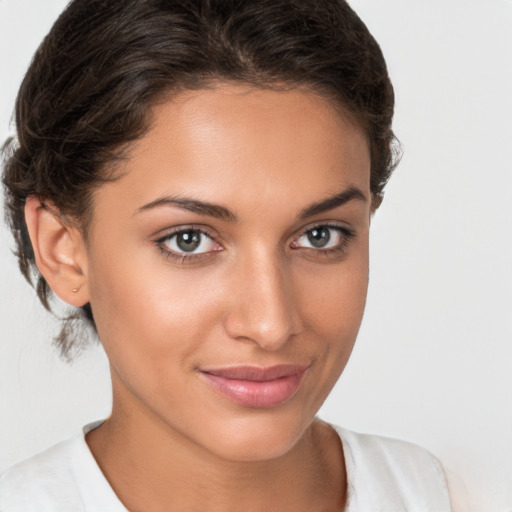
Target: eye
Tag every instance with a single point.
(187, 242)
(326, 238)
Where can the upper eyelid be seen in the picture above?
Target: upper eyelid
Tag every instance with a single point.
(160, 242)
(344, 231)
(169, 232)
(327, 224)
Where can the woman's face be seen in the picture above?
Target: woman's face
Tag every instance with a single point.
(227, 267)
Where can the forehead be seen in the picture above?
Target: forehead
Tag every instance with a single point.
(236, 144)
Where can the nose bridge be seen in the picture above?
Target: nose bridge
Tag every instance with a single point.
(263, 309)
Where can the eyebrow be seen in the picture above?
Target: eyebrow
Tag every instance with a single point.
(192, 205)
(220, 212)
(332, 202)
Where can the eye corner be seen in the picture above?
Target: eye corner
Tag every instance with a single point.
(335, 246)
(199, 238)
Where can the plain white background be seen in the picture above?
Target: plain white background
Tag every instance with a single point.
(433, 362)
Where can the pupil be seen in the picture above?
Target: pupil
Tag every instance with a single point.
(319, 237)
(188, 240)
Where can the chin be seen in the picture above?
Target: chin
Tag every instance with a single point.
(264, 436)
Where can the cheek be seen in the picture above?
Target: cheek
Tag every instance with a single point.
(336, 295)
(334, 308)
(152, 326)
(136, 296)
(153, 317)
(146, 311)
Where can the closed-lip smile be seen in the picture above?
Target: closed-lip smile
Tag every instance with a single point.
(256, 387)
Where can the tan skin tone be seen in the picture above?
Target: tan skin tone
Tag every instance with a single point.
(255, 291)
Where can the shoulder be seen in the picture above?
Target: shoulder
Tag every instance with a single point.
(42, 483)
(386, 474)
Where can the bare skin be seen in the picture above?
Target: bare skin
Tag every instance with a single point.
(195, 482)
(278, 277)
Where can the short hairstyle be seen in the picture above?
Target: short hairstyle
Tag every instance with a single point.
(93, 80)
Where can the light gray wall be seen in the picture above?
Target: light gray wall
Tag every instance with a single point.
(433, 361)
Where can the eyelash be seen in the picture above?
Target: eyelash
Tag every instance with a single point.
(345, 233)
(182, 257)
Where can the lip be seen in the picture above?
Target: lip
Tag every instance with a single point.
(256, 387)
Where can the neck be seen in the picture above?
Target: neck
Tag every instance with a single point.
(150, 465)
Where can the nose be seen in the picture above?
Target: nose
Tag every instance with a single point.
(263, 303)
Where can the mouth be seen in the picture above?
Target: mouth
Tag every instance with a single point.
(256, 387)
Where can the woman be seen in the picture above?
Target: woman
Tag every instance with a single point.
(197, 179)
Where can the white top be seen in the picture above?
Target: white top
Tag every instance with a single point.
(384, 475)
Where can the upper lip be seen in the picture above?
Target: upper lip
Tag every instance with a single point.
(255, 373)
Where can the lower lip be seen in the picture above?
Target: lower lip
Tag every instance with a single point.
(256, 394)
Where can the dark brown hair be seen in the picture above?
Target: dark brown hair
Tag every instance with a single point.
(88, 91)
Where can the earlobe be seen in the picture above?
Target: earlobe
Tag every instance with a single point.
(59, 252)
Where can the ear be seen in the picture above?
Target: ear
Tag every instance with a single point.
(59, 251)
(376, 201)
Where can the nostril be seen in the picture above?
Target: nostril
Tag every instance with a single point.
(263, 301)
(267, 324)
